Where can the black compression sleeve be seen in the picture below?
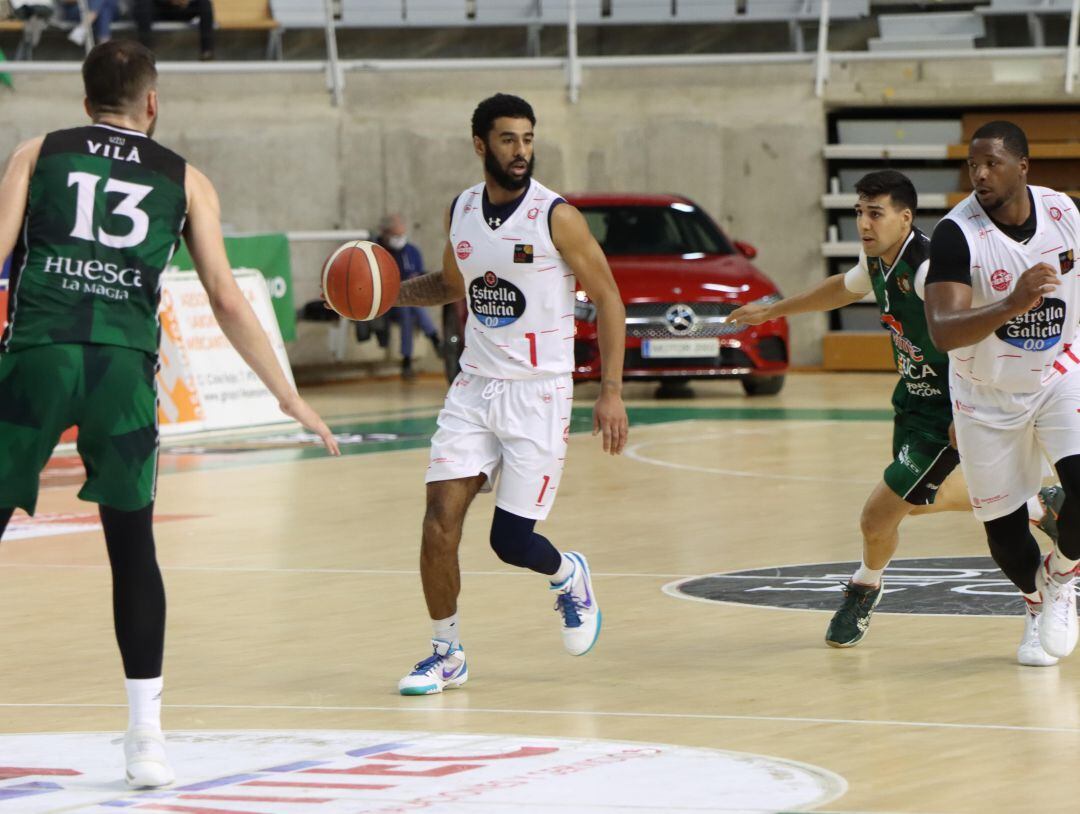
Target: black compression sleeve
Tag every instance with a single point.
(950, 258)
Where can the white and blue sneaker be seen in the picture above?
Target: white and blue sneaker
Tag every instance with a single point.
(577, 605)
(445, 669)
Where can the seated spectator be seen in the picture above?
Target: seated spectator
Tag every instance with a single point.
(99, 16)
(146, 12)
(393, 236)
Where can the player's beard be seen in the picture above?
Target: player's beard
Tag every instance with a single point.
(505, 179)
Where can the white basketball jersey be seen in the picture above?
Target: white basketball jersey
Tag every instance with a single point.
(520, 293)
(1020, 355)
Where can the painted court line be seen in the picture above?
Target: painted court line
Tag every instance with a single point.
(634, 452)
(411, 572)
(583, 714)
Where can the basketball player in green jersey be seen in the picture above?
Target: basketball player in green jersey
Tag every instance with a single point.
(893, 264)
(93, 215)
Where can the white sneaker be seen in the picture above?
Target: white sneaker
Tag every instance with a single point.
(77, 35)
(1030, 653)
(147, 765)
(1058, 628)
(445, 669)
(580, 611)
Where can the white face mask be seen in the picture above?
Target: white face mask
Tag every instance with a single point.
(397, 242)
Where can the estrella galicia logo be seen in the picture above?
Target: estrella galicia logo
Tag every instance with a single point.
(949, 586)
(495, 303)
(1038, 329)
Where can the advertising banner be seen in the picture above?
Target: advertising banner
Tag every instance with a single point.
(269, 254)
(203, 383)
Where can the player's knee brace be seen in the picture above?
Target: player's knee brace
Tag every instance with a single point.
(515, 543)
(1068, 521)
(1013, 548)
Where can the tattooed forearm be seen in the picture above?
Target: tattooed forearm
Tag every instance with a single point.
(428, 289)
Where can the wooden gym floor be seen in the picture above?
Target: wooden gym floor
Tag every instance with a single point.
(294, 602)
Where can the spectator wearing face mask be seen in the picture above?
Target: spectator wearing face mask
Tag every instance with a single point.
(394, 237)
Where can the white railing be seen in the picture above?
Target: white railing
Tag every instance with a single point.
(574, 65)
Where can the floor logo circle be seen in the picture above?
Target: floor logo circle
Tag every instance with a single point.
(937, 586)
(333, 772)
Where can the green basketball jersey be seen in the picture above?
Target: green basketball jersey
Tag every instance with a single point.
(104, 214)
(923, 390)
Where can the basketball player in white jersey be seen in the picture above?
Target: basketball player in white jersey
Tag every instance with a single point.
(1002, 297)
(517, 252)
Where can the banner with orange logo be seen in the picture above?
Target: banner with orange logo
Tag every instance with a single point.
(203, 384)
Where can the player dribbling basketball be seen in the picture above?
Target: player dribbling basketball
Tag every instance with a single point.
(515, 249)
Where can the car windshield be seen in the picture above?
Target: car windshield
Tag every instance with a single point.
(677, 228)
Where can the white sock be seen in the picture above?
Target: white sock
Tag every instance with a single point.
(144, 702)
(1035, 509)
(566, 570)
(447, 630)
(1061, 569)
(867, 576)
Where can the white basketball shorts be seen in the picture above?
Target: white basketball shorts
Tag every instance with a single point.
(513, 431)
(1005, 439)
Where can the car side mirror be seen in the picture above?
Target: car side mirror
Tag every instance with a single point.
(746, 250)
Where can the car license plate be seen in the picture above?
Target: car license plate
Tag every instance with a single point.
(680, 348)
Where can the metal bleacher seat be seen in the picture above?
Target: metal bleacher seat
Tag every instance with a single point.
(436, 13)
(1032, 10)
(507, 12)
(635, 12)
(933, 31)
(298, 13)
(556, 12)
(371, 13)
(805, 9)
(705, 11)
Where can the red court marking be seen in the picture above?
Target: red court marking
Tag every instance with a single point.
(393, 771)
(12, 772)
(293, 784)
(244, 799)
(524, 751)
(197, 809)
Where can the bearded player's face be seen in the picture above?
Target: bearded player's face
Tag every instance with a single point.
(997, 175)
(508, 153)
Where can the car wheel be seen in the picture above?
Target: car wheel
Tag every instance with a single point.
(763, 385)
(674, 389)
(452, 345)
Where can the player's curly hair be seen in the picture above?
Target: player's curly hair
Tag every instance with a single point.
(1013, 139)
(498, 106)
(892, 183)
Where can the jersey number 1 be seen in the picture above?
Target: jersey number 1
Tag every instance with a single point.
(87, 184)
(532, 347)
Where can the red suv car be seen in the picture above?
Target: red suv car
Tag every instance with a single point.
(679, 277)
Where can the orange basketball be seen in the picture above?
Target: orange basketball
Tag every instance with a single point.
(360, 280)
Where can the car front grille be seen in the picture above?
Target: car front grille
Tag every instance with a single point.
(649, 320)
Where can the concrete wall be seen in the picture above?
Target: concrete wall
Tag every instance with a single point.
(744, 141)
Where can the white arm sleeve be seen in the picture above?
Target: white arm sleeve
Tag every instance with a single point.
(920, 279)
(857, 278)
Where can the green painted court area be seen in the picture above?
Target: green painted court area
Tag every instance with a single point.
(365, 434)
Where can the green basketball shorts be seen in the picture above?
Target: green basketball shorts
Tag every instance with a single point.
(921, 462)
(108, 392)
